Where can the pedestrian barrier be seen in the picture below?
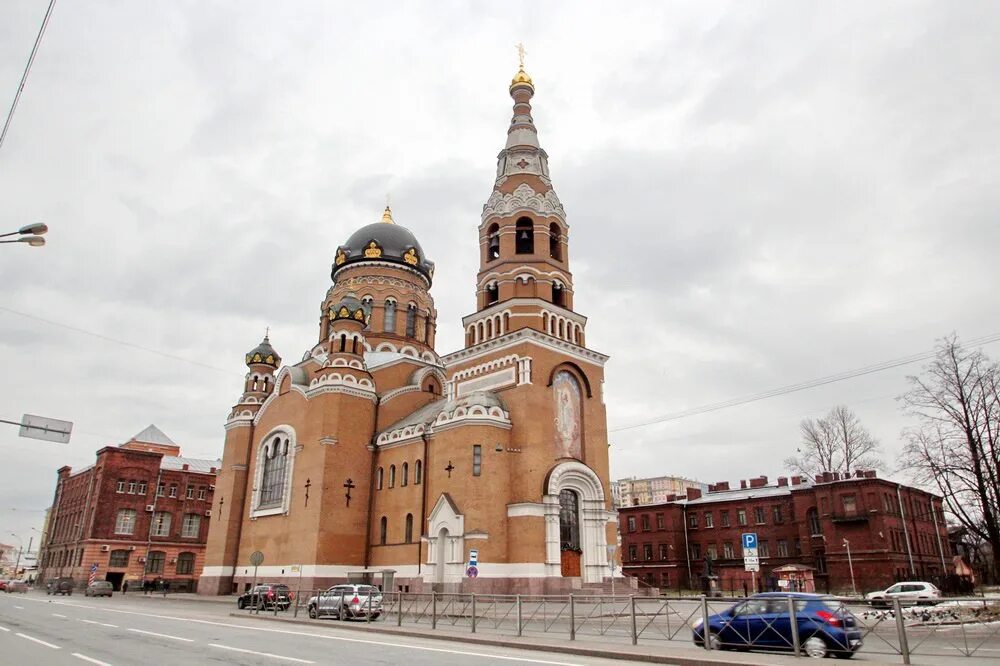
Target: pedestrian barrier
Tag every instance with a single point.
(961, 627)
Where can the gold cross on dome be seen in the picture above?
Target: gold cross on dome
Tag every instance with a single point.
(520, 53)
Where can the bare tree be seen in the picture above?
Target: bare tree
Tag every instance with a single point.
(956, 445)
(836, 443)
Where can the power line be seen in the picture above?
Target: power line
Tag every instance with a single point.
(115, 340)
(801, 386)
(27, 68)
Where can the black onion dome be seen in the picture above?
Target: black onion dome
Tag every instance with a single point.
(350, 307)
(384, 241)
(264, 354)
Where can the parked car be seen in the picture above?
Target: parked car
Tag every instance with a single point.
(60, 586)
(99, 588)
(908, 593)
(3, 584)
(825, 627)
(17, 586)
(265, 597)
(346, 601)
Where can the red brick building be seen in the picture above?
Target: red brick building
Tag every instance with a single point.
(894, 532)
(141, 512)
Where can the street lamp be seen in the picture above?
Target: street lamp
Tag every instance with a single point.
(850, 564)
(30, 234)
(17, 565)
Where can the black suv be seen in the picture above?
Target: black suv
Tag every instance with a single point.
(264, 597)
(60, 586)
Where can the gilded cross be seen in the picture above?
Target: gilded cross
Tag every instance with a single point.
(449, 469)
(520, 53)
(348, 484)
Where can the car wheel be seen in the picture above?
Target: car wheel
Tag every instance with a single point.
(714, 642)
(341, 615)
(375, 616)
(843, 654)
(815, 647)
(313, 613)
(240, 604)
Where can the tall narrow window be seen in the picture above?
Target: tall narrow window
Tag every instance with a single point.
(569, 520)
(392, 476)
(272, 491)
(409, 528)
(411, 321)
(493, 243)
(492, 293)
(555, 247)
(813, 517)
(418, 472)
(558, 295)
(477, 459)
(383, 530)
(525, 236)
(191, 527)
(125, 522)
(390, 317)
(185, 563)
(405, 474)
(154, 563)
(161, 524)
(366, 302)
(379, 477)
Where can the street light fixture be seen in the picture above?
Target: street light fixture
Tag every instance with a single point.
(850, 564)
(30, 234)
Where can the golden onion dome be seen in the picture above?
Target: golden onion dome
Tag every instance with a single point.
(521, 78)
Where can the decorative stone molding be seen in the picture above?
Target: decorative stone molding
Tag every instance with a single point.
(577, 477)
(523, 197)
(282, 431)
(545, 340)
(473, 415)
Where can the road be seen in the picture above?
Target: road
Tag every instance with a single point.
(40, 630)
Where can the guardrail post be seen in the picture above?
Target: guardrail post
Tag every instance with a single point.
(794, 619)
(399, 609)
(368, 615)
(276, 604)
(473, 612)
(705, 633)
(519, 615)
(635, 635)
(904, 647)
(434, 610)
(298, 595)
(572, 618)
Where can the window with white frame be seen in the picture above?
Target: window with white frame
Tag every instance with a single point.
(125, 521)
(121, 486)
(161, 524)
(190, 492)
(275, 467)
(201, 492)
(142, 487)
(191, 527)
(132, 485)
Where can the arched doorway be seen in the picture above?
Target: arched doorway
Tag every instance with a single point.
(578, 518)
(569, 532)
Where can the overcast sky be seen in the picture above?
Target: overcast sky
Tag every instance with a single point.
(758, 194)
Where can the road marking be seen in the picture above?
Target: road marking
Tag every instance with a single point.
(40, 642)
(19, 607)
(4, 629)
(153, 633)
(262, 654)
(58, 615)
(91, 660)
(103, 624)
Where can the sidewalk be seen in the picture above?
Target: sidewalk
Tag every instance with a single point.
(183, 596)
(654, 654)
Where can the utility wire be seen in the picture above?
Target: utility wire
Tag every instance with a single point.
(27, 68)
(801, 386)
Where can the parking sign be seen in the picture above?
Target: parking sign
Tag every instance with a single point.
(749, 541)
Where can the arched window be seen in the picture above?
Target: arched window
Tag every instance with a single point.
(418, 472)
(492, 293)
(555, 247)
(405, 474)
(813, 517)
(119, 558)
(411, 321)
(493, 243)
(392, 476)
(272, 480)
(154, 562)
(558, 295)
(367, 303)
(409, 528)
(390, 317)
(185, 563)
(569, 520)
(379, 476)
(383, 529)
(525, 236)
(343, 341)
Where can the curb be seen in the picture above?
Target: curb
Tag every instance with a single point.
(663, 657)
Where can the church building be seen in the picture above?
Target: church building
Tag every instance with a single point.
(375, 458)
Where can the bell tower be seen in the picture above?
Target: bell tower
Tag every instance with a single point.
(524, 279)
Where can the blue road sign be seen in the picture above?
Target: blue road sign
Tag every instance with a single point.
(749, 540)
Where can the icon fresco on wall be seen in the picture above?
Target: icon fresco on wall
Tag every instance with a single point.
(568, 415)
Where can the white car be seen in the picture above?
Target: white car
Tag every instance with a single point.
(347, 602)
(908, 593)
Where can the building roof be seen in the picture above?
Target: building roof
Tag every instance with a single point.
(194, 464)
(153, 435)
(383, 242)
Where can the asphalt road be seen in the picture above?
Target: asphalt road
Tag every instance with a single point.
(38, 630)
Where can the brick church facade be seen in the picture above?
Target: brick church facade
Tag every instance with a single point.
(500, 447)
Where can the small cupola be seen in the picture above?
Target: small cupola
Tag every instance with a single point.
(263, 354)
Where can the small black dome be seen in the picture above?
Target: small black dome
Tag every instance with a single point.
(264, 353)
(350, 307)
(383, 241)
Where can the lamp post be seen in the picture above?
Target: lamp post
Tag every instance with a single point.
(850, 564)
(20, 549)
(611, 548)
(30, 234)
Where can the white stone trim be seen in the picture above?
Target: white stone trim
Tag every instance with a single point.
(262, 444)
(521, 336)
(575, 476)
(443, 520)
(526, 509)
(523, 198)
(539, 303)
(491, 382)
(395, 393)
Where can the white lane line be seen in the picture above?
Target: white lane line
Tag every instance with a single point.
(19, 607)
(4, 629)
(153, 633)
(58, 615)
(90, 659)
(40, 642)
(287, 632)
(103, 624)
(262, 654)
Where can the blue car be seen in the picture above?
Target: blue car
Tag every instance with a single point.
(763, 622)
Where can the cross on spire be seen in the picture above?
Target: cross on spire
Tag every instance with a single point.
(520, 53)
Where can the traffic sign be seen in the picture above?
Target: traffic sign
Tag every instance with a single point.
(49, 430)
(751, 567)
(749, 540)
(751, 559)
(256, 558)
(473, 557)
(472, 571)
